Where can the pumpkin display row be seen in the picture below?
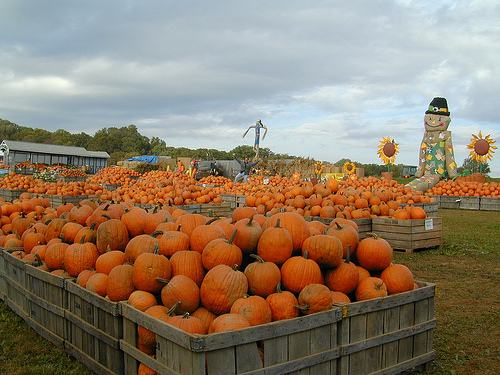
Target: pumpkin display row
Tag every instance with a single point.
(183, 268)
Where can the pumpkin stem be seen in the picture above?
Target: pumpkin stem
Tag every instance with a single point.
(211, 221)
(374, 235)
(258, 258)
(172, 309)
(278, 223)
(230, 240)
(303, 308)
(156, 249)
(185, 315)
(348, 255)
(156, 233)
(161, 280)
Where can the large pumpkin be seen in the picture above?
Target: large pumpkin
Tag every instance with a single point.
(188, 263)
(112, 233)
(315, 298)
(221, 287)
(275, 244)
(221, 251)
(79, 257)
(263, 277)
(398, 278)
(254, 308)
(325, 250)
(294, 223)
(374, 253)
(181, 289)
(283, 304)
(120, 282)
(371, 287)
(298, 271)
(148, 269)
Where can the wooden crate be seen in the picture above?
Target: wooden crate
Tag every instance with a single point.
(9, 195)
(216, 209)
(389, 335)
(410, 235)
(3, 280)
(94, 328)
(47, 302)
(489, 204)
(58, 200)
(469, 203)
(15, 278)
(229, 198)
(449, 201)
(305, 345)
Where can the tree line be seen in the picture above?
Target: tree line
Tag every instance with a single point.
(126, 142)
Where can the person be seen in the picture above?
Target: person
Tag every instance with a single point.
(245, 167)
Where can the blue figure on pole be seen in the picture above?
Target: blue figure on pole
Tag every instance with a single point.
(258, 125)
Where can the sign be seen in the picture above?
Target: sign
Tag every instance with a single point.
(429, 224)
(4, 148)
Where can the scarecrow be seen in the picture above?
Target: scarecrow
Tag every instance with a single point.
(436, 160)
(258, 125)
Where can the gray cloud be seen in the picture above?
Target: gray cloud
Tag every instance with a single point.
(329, 79)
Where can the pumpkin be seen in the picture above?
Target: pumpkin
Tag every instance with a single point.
(294, 223)
(263, 277)
(221, 251)
(98, 283)
(110, 259)
(188, 263)
(190, 221)
(371, 287)
(54, 228)
(247, 235)
(32, 239)
(343, 278)
(101, 214)
(79, 257)
(143, 243)
(299, 271)
(86, 233)
(205, 315)
(142, 300)
(374, 253)
(243, 212)
(228, 322)
(134, 219)
(222, 286)
(54, 255)
(283, 304)
(417, 213)
(83, 276)
(254, 308)
(120, 282)
(69, 231)
(314, 298)
(181, 288)
(347, 234)
(275, 244)
(203, 234)
(146, 337)
(172, 242)
(325, 250)
(340, 297)
(80, 214)
(398, 278)
(188, 323)
(112, 233)
(148, 268)
(21, 223)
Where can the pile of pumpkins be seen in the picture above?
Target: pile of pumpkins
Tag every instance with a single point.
(202, 274)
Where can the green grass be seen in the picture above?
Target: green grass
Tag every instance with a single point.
(466, 270)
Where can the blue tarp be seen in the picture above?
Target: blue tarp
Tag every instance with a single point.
(144, 159)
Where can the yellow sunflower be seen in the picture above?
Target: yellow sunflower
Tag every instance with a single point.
(482, 148)
(387, 150)
(349, 168)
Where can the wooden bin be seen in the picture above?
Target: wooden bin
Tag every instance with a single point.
(94, 328)
(216, 209)
(58, 200)
(47, 302)
(469, 203)
(15, 278)
(3, 279)
(302, 345)
(449, 201)
(229, 198)
(9, 195)
(489, 204)
(389, 335)
(410, 235)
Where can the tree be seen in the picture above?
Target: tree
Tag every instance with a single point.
(474, 167)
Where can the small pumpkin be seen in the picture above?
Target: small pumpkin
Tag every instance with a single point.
(369, 288)
(314, 298)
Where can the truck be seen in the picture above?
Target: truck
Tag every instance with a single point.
(409, 171)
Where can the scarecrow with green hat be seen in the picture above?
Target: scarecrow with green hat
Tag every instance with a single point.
(436, 159)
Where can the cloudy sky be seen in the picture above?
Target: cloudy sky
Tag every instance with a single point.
(330, 79)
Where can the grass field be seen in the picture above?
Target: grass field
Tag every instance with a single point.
(466, 270)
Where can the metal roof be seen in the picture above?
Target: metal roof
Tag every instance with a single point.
(44, 148)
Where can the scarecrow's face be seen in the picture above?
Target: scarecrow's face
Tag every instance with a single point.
(436, 122)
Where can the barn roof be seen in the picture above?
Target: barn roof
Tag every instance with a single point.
(44, 148)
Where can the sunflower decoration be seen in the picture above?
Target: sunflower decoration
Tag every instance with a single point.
(387, 150)
(482, 148)
(318, 169)
(349, 168)
(296, 176)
